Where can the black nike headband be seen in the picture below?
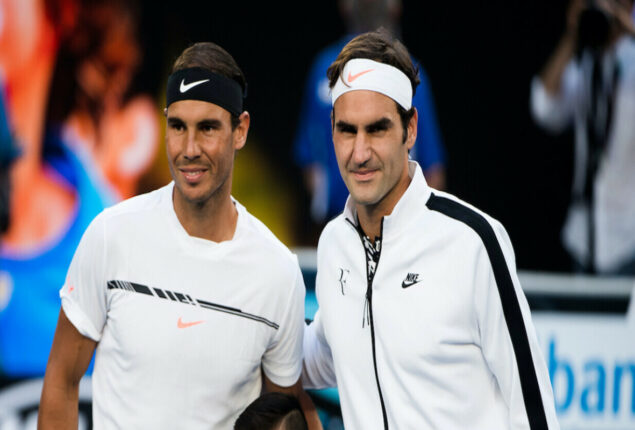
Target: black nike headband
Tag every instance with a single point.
(200, 84)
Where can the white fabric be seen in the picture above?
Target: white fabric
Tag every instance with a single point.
(365, 74)
(614, 186)
(151, 373)
(444, 354)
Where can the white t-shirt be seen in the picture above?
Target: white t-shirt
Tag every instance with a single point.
(183, 324)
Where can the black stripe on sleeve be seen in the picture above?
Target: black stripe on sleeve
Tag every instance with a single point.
(511, 308)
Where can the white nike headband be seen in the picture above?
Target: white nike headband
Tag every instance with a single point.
(365, 74)
(196, 83)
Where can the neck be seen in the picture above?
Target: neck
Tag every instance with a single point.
(370, 216)
(370, 221)
(214, 220)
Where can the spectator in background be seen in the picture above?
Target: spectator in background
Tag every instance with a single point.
(272, 411)
(84, 141)
(53, 193)
(589, 81)
(111, 128)
(313, 149)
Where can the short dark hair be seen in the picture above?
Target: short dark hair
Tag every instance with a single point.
(381, 46)
(210, 56)
(271, 410)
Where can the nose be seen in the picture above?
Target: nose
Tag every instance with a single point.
(192, 148)
(361, 149)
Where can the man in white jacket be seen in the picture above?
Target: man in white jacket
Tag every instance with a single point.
(422, 322)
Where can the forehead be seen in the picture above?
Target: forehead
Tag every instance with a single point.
(196, 110)
(363, 107)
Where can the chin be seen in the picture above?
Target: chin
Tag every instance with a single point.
(195, 195)
(364, 199)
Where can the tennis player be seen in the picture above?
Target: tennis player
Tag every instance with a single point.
(191, 303)
(422, 322)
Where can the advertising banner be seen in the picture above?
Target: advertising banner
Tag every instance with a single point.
(591, 361)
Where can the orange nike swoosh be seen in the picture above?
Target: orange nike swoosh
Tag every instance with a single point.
(351, 78)
(181, 324)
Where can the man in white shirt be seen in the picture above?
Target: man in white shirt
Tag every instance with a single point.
(589, 81)
(422, 322)
(191, 303)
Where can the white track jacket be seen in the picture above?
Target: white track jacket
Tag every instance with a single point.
(441, 337)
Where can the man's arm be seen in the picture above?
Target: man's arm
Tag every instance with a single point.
(507, 335)
(318, 369)
(551, 74)
(69, 358)
(308, 408)
(553, 91)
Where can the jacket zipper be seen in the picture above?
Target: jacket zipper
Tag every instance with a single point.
(369, 306)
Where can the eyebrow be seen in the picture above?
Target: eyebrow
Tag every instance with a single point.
(379, 125)
(174, 121)
(213, 123)
(345, 127)
(208, 122)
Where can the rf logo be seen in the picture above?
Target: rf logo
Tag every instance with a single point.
(343, 275)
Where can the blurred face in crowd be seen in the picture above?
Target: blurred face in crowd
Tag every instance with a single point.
(200, 146)
(369, 145)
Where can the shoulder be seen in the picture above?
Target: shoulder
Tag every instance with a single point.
(263, 241)
(457, 215)
(135, 209)
(141, 203)
(338, 231)
(335, 227)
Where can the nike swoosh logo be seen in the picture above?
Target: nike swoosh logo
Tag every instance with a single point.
(351, 78)
(184, 87)
(181, 324)
(405, 284)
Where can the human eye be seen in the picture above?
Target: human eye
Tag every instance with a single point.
(176, 125)
(209, 127)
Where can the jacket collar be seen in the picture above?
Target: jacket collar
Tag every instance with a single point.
(411, 202)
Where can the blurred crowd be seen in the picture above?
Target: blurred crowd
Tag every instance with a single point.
(75, 139)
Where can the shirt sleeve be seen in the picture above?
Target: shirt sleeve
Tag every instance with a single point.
(84, 292)
(508, 339)
(318, 371)
(282, 362)
(554, 112)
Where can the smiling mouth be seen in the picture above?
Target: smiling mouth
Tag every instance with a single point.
(192, 175)
(364, 175)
